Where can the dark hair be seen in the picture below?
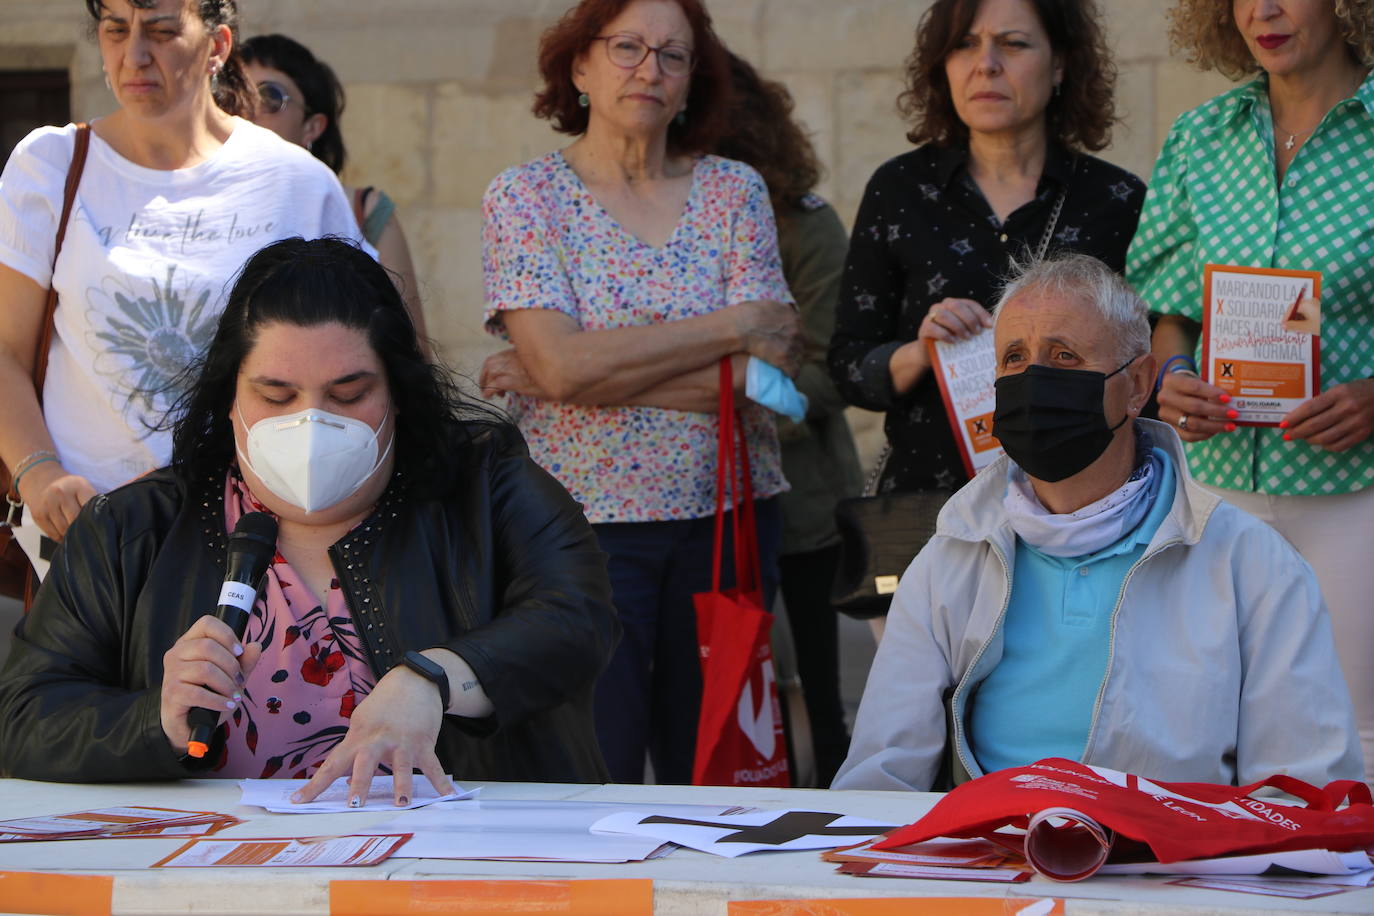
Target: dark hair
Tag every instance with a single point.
(308, 283)
(1080, 115)
(232, 91)
(707, 103)
(323, 92)
(763, 134)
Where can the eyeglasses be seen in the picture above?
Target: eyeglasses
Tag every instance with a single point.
(274, 98)
(629, 51)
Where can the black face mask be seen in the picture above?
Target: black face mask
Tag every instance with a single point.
(1050, 420)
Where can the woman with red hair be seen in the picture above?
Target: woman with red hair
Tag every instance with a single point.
(623, 268)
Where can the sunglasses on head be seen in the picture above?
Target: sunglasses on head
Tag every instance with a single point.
(273, 97)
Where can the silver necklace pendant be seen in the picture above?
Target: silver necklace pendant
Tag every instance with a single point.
(1289, 143)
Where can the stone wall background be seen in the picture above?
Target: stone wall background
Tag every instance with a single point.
(439, 94)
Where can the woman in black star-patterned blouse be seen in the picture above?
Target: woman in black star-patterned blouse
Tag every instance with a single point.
(1005, 95)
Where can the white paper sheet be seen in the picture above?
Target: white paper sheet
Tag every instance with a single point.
(275, 795)
(1314, 861)
(737, 834)
(1295, 890)
(554, 831)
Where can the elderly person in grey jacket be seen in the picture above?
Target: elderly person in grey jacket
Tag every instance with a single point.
(1084, 598)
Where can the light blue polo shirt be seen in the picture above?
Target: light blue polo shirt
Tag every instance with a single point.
(1038, 701)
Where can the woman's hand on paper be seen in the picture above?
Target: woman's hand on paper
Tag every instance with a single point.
(948, 320)
(1337, 419)
(54, 497)
(1184, 395)
(397, 724)
(953, 319)
(203, 669)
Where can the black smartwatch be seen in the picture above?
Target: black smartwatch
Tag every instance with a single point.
(431, 671)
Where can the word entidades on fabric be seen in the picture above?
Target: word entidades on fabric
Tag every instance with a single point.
(1269, 814)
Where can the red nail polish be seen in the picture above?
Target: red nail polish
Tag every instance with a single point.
(1231, 427)
(1224, 398)
(1287, 438)
(1233, 414)
(1283, 424)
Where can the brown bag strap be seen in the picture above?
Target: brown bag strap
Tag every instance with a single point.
(40, 358)
(45, 331)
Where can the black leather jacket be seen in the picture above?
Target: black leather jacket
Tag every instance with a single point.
(505, 571)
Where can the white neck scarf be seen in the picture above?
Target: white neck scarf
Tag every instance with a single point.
(1087, 530)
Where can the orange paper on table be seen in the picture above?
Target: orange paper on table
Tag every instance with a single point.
(632, 897)
(46, 894)
(899, 906)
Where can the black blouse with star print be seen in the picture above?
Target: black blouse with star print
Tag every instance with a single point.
(925, 233)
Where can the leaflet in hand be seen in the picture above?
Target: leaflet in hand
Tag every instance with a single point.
(275, 795)
(966, 370)
(1261, 338)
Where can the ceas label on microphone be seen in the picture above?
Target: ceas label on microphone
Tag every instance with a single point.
(239, 595)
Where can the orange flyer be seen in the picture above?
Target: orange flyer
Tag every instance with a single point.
(966, 370)
(1261, 338)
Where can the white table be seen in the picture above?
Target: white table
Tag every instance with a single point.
(685, 882)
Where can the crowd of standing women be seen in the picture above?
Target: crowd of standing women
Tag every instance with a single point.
(680, 227)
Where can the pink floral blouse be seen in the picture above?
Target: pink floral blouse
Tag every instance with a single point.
(547, 244)
(312, 672)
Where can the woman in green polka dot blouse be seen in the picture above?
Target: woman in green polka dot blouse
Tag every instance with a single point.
(1279, 172)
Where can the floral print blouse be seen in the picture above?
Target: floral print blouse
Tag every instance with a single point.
(548, 244)
(312, 673)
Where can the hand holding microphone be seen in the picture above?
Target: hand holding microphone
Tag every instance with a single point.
(203, 670)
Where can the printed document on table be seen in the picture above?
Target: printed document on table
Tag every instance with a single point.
(331, 851)
(966, 370)
(1356, 865)
(552, 831)
(736, 834)
(275, 795)
(115, 821)
(1261, 339)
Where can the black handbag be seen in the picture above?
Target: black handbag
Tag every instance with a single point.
(879, 537)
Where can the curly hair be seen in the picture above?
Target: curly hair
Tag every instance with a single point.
(1081, 115)
(1205, 32)
(233, 92)
(707, 103)
(764, 135)
(323, 92)
(309, 283)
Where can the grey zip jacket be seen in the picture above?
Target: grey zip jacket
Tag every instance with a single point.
(1221, 665)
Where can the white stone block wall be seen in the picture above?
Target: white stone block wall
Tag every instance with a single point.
(439, 94)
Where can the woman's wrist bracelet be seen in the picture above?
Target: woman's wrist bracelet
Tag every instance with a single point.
(1182, 361)
(23, 463)
(29, 467)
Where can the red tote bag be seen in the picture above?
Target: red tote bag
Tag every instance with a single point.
(740, 738)
(1178, 821)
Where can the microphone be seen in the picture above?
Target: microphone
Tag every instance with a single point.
(251, 548)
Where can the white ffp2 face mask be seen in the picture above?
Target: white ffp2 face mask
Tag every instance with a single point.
(313, 459)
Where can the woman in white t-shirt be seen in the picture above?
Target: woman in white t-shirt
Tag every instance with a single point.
(179, 189)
